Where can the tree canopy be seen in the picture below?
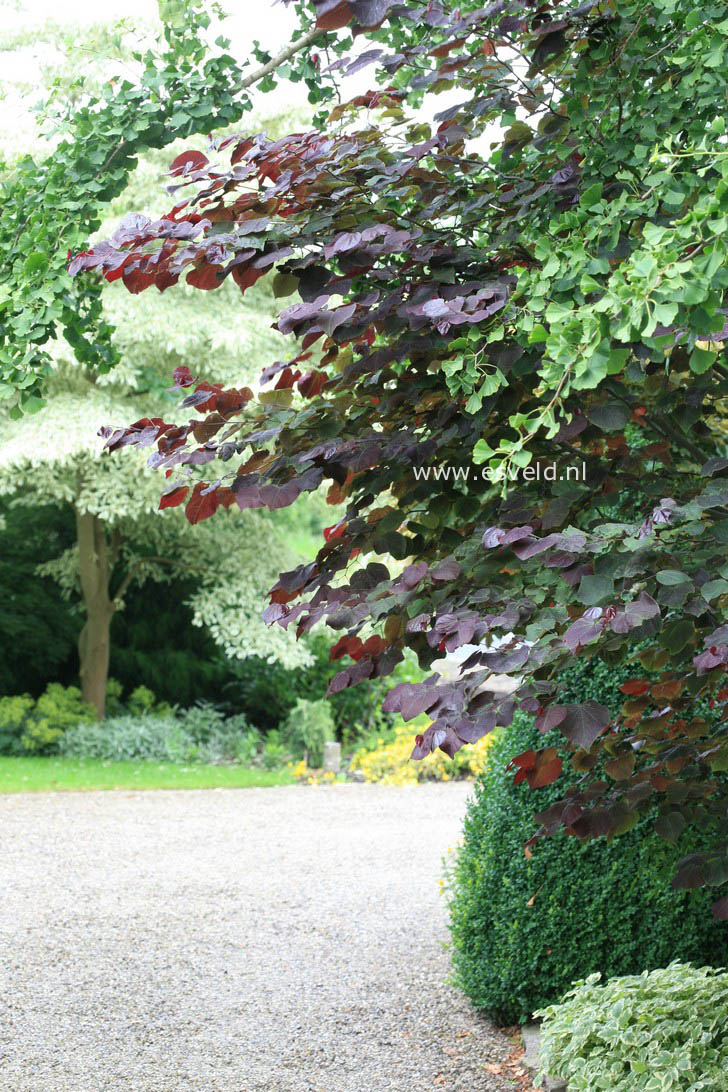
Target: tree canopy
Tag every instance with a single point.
(53, 456)
(52, 204)
(532, 281)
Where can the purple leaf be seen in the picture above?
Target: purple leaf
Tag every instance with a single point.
(517, 534)
(551, 718)
(339, 682)
(371, 13)
(710, 658)
(410, 699)
(538, 546)
(435, 308)
(413, 574)
(493, 537)
(584, 723)
(446, 570)
(348, 240)
(580, 633)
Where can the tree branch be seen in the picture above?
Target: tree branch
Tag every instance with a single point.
(254, 77)
(284, 55)
(133, 569)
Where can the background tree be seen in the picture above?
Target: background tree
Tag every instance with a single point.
(560, 300)
(38, 632)
(119, 540)
(52, 202)
(118, 544)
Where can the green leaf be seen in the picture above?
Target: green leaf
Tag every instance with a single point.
(36, 263)
(676, 635)
(617, 360)
(609, 416)
(591, 196)
(482, 451)
(701, 360)
(521, 457)
(474, 403)
(672, 577)
(594, 589)
(713, 588)
(284, 284)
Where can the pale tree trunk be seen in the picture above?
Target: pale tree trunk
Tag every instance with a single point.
(95, 640)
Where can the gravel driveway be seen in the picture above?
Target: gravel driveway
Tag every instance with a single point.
(286, 940)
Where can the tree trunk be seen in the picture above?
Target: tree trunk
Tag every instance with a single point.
(95, 640)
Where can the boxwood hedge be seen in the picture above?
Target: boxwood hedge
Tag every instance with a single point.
(524, 929)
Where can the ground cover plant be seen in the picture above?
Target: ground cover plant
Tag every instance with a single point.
(660, 1032)
(29, 724)
(531, 284)
(138, 727)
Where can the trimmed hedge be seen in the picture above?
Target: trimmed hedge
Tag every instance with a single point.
(523, 930)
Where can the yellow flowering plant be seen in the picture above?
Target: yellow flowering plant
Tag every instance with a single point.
(388, 762)
(305, 775)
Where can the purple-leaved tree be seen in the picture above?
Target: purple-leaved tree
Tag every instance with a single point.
(508, 326)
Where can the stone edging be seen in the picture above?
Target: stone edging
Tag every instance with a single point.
(531, 1034)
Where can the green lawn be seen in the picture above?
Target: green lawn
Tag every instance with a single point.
(65, 774)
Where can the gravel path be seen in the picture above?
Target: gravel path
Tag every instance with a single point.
(255, 940)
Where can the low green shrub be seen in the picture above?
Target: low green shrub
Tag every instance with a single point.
(666, 1031)
(14, 713)
(202, 720)
(230, 743)
(274, 753)
(38, 725)
(130, 737)
(201, 734)
(309, 725)
(140, 701)
(220, 738)
(524, 929)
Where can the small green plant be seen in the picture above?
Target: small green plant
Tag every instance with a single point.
(310, 724)
(202, 721)
(143, 700)
(140, 701)
(114, 697)
(662, 1031)
(275, 752)
(15, 710)
(233, 740)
